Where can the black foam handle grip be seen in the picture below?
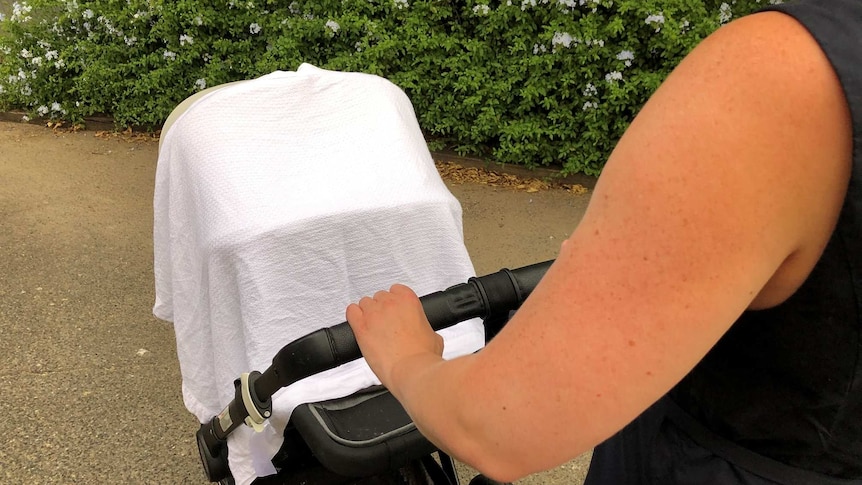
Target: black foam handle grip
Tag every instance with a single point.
(443, 309)
(528, 277)
(330, 347)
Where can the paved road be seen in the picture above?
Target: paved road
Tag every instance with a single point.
(90, 380)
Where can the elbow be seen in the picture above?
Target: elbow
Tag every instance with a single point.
(483, 439)
(492, 459)
(501, 472)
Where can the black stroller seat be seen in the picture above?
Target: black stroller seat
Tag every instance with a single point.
(362, 435)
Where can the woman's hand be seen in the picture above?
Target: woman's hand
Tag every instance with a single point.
(394, 334)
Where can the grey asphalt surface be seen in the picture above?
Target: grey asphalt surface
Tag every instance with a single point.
(90, 380)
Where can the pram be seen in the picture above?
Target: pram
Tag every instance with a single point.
(277, 202)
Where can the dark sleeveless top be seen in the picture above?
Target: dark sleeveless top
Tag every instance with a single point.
(786, 382)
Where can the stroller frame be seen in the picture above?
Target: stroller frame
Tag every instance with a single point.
(366, 437)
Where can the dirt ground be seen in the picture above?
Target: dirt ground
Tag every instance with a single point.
(90, 379)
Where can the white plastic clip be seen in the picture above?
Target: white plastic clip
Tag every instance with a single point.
(254, 419)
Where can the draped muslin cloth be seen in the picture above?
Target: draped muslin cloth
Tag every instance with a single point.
(279, 201)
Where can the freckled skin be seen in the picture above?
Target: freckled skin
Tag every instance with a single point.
(709, 205)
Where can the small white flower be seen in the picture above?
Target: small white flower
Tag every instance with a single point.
(358, 46)
(201, 84)
(199, 20)
(22, 75)
(627, 57)
(481, 9)
(130, 41)
(562, 39)
(36, 61)
(87, 14)
(293, 8)
(590, 90)
(724, 13)
(104, 21)
(42, 110)
(186, 39)
(169, 55)
(55, 106)
(590, 105)
(401, 4)
(613, 76)
(60, 64)
(539, 49)
(26, 54)
(20, 12)
(51, 55)
(207, 57)
(332, 26)
(527, 3)
(25, 119)
(2, 17)
(657, 19)
(254, 28)
(685, 25)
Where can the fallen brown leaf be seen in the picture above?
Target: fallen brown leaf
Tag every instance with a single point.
(129, 136)
(458, 174)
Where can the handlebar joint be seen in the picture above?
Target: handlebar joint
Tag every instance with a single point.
(258, 411)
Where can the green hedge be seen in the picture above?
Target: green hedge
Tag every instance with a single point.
(532, 82)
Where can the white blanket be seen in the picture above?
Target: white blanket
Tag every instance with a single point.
(279, 201)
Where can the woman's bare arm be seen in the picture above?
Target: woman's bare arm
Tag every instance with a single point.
(719, 197)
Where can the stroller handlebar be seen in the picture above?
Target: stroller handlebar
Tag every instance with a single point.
(330, 347)
(480, 297)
